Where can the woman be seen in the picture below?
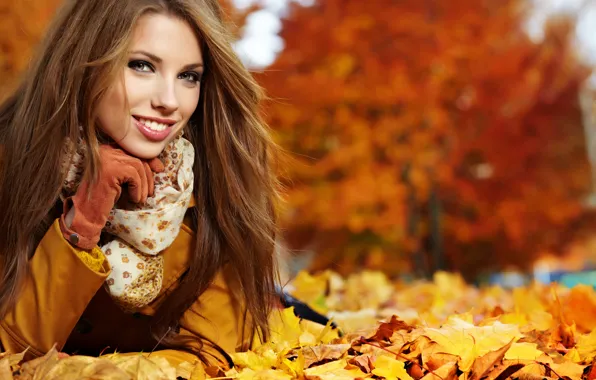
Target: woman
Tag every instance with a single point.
(136, 189)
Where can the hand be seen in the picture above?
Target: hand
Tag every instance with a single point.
(85, 214)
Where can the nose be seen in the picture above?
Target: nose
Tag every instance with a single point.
(165, 98)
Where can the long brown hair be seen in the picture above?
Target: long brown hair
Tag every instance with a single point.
(235, 187)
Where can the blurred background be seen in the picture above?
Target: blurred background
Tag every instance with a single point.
(420, 135)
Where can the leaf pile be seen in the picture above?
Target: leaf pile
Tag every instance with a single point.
(439, 330)
(429, 330)
(58, 366)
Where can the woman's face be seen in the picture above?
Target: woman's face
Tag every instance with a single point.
(161, 85)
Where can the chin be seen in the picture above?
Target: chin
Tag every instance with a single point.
(143, 149)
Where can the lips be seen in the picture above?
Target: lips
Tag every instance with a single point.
(154, 129)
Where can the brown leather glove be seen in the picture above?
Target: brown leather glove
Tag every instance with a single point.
(93, 202)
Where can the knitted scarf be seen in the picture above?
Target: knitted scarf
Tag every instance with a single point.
(139, 233)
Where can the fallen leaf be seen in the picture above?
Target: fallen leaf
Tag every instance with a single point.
(364, 362)
(335, 370)
(5, 370)
(485, 363)
(266, 374)
(323, 352)
(586, 346)
(81, 367)
(589, 372)
(504, 370)
(433, 359)
(140, 367)
(462, 338)
(390, 368)
(386, 329)
(285, 329)
(523, 351)
(445, 372)
(254, 361)
(569, 369)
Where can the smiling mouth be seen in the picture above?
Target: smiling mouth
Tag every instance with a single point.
(153, 125)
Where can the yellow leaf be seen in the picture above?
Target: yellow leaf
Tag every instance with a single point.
(586, 346)
(514, 319)
(323, 334)
(573, 355)
(523, 351)
(390, 369)
(335, 370)
(307, 339)
(462, 338)
(267, 374)
(253, 361)
(310, 289)
(294, 367)
(285, 329)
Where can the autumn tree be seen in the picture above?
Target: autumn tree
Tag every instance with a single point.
(23, 24)
(427, 127)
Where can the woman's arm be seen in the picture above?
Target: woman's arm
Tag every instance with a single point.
(60, 283)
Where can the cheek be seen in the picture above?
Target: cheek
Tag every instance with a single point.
(189, 104)
(137, 91)
(111, 111)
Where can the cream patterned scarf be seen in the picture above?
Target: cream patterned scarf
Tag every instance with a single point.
(141, 232)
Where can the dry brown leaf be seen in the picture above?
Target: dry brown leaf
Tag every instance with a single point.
(194, 371)
(531, 376)
(140, 367)
(386, 329)
(504, 370)
(569, 369)
(323, 353)
(83, 367)
(433, 359)
(364, 362)
(40, 367)
(336, 370)
(589, 372)
(415, 370)
(565, 331)
(420, 345)
(446, 372)
(5, 370)
(485, 363)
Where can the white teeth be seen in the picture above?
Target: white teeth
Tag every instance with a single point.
(153, 125)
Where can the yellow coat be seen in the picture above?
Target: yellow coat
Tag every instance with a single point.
(63, 302)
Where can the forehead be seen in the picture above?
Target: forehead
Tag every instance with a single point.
(168, 37)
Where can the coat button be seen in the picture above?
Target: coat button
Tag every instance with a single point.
(83, 326)
(74, 238)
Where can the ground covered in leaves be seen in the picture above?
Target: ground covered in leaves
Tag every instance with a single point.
(433, 330)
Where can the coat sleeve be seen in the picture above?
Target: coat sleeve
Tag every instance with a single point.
(219, 319)
(61, 281)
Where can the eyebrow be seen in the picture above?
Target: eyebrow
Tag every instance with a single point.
(190, 66)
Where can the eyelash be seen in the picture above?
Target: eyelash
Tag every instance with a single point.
(136, 64)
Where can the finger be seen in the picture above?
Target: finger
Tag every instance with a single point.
(150, 180)
(133, 179)
(143, 176)
(156, 165)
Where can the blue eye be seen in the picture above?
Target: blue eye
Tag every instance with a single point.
(142, 66)
(191, 77)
